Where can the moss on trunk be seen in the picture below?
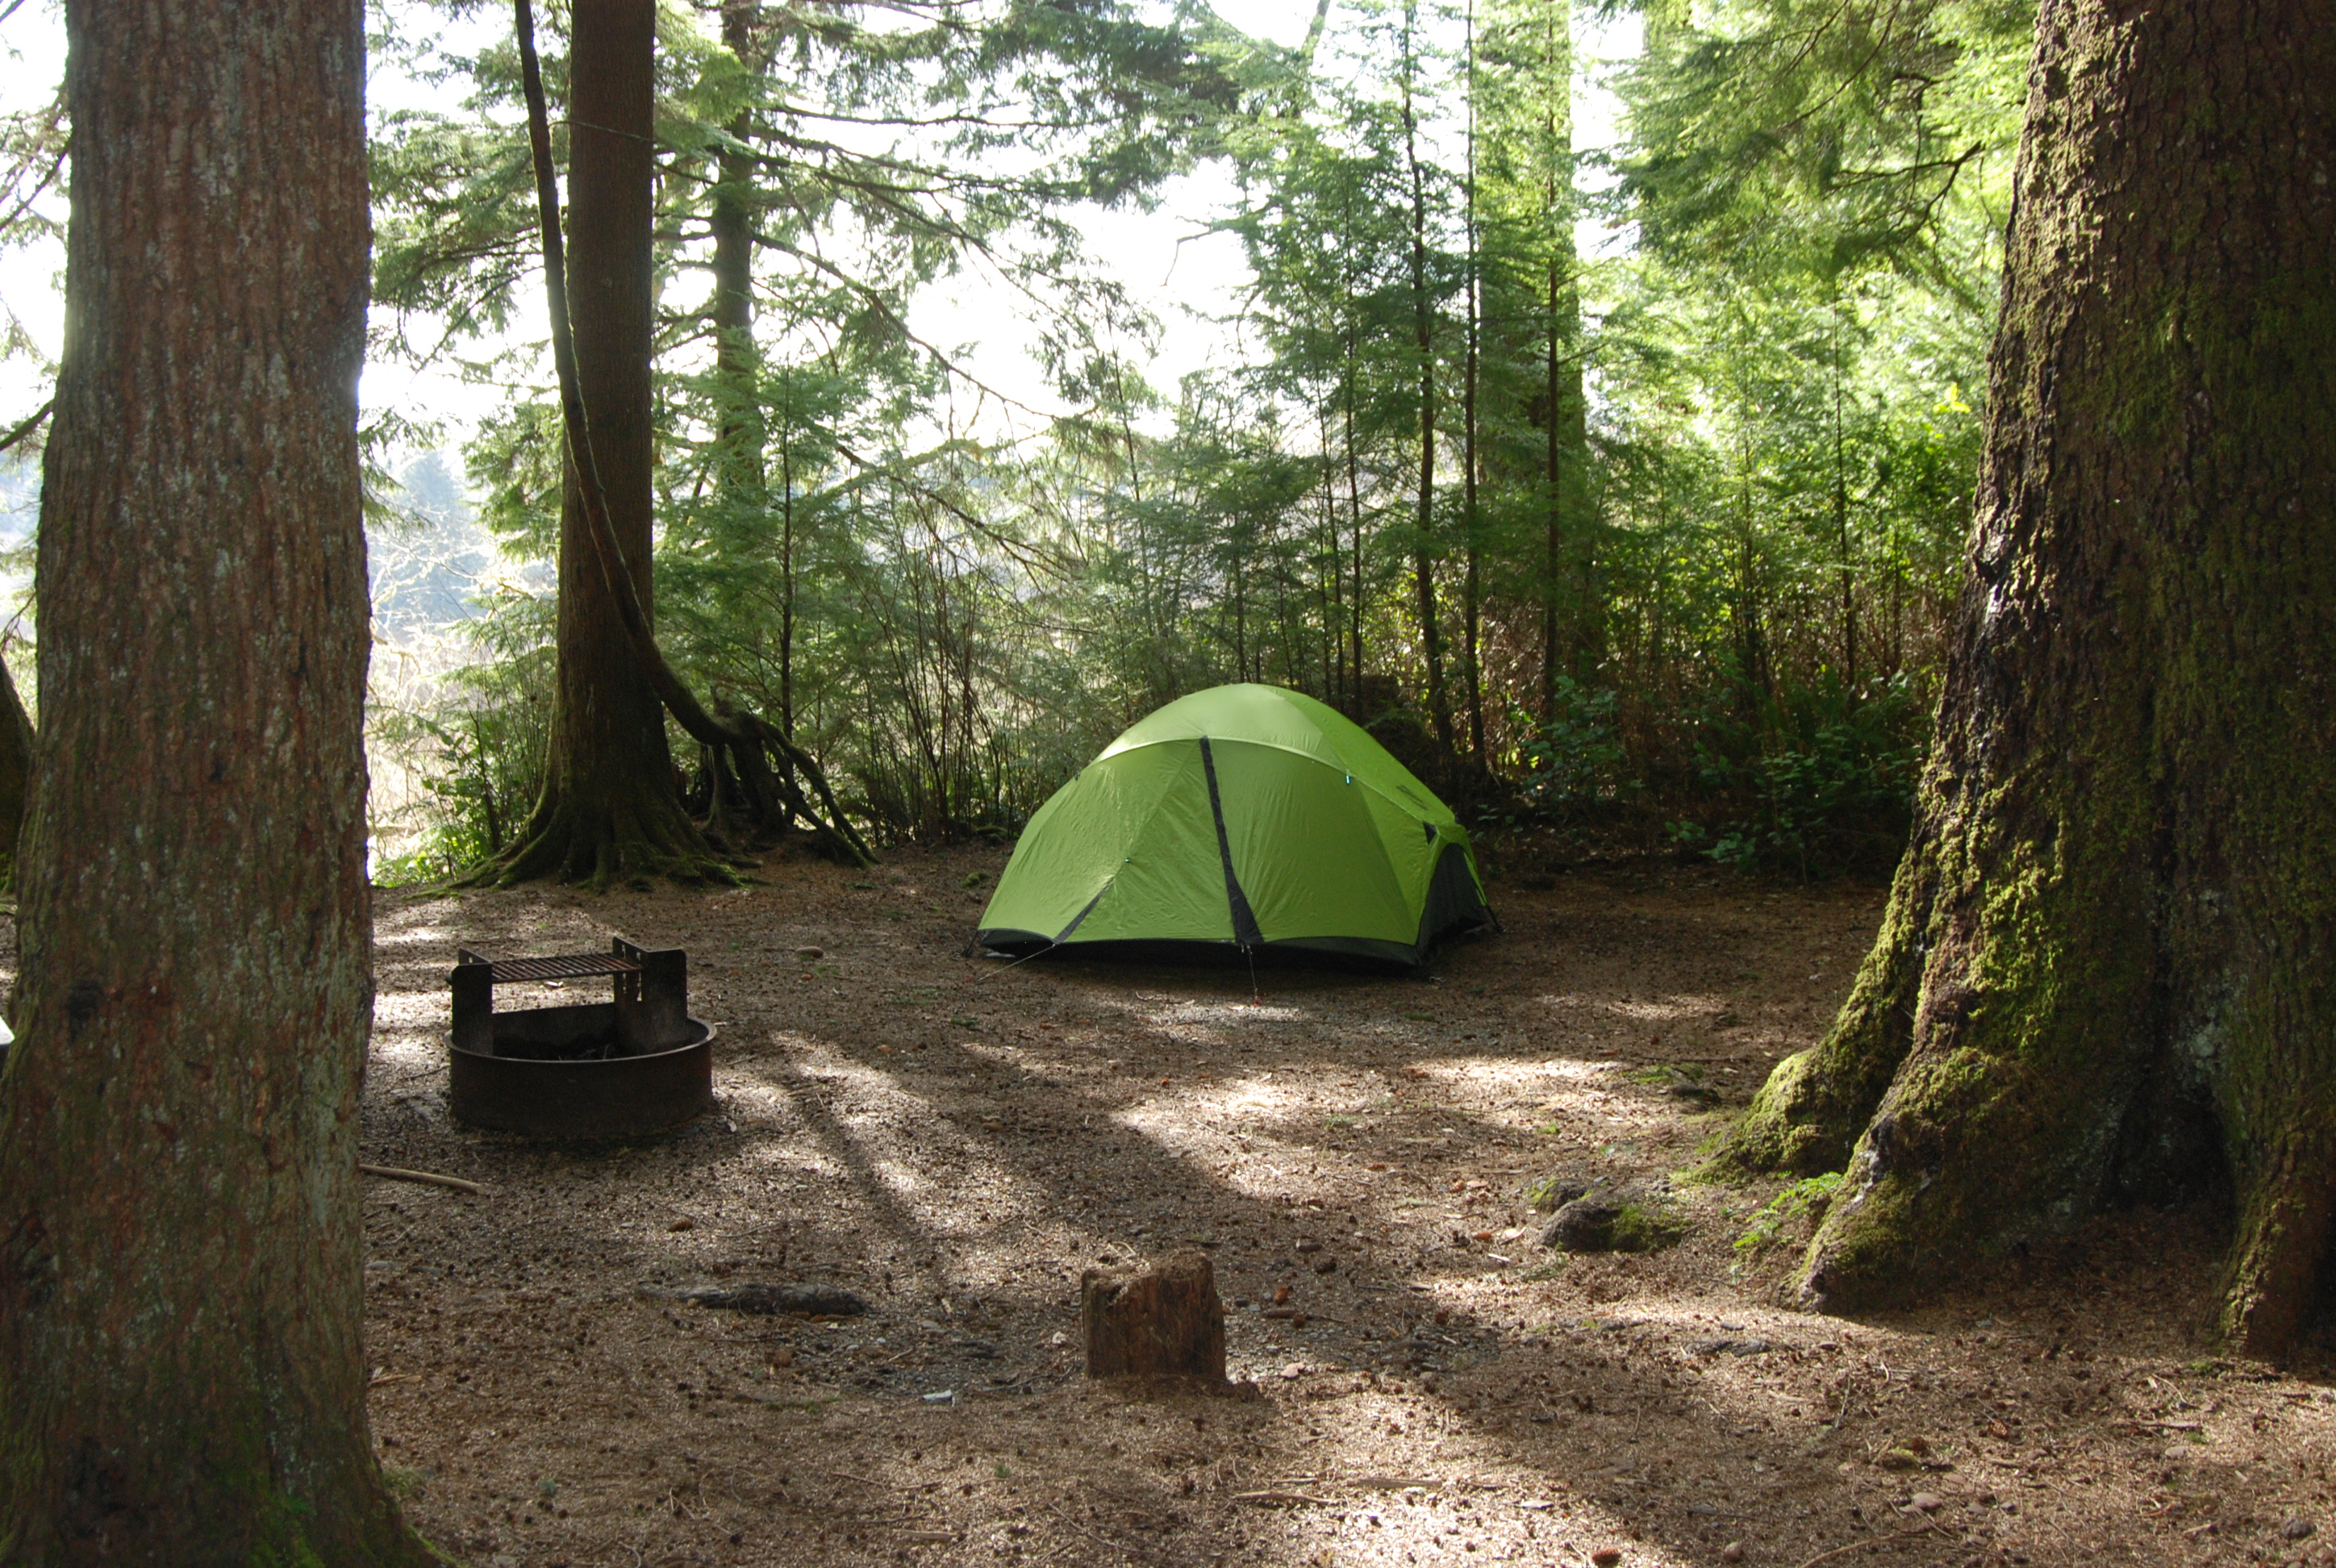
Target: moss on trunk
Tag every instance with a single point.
(2115, 917)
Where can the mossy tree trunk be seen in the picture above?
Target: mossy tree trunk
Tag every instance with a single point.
(182, 1376)
(611, 808)
(2106, 970)
(737, 360)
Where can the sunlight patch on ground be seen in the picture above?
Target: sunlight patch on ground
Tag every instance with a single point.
(1495, 1071)
(415, 1049)
(960, 1192)
(1663, 1012)
(903, 1179)
(1237, 1098)
(791, 1156)
(1166, 1121)
(1231, 1015)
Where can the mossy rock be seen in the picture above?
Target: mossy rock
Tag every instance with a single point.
(1548, 1194)
(1646, 1228)
(1633, 1218)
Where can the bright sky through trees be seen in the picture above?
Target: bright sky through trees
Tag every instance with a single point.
(1190, 279)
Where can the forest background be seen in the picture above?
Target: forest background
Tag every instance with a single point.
(1616, 479)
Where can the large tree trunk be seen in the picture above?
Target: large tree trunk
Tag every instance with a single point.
(182, 1378)
(610, 809)
(2106, 968)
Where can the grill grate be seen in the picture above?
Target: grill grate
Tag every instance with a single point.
(575, 967)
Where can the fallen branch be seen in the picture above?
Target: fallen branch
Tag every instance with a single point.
(422, 1178)
(765, 1300)
(1375, 1481)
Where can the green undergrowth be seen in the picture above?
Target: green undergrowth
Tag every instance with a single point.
(1807, 1198)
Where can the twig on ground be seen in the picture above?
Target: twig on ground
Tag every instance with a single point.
(424, 1178)
(1924, 1528)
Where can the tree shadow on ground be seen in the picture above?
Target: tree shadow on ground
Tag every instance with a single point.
(958, 1142)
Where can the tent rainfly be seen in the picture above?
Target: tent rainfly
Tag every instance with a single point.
(1243, 818)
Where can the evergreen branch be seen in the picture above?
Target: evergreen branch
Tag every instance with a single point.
(1023, 554)
(32, 422)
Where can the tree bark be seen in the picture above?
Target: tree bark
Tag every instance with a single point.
(182, 1378)
(610, 810)
(1423, 311)
(1472, 524)
(2106, 972)
(1570, 563)
(15, 770)
(733, 224)
(741, 462)
(740, 465)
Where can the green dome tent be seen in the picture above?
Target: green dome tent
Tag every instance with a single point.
(1247, 818)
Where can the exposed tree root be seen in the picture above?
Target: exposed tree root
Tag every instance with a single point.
(607, 845)
(2272, 1274)
(1808, 1116)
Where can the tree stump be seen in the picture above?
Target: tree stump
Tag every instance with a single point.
(1161, 1318)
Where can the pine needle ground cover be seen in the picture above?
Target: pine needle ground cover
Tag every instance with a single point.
(956, 1141)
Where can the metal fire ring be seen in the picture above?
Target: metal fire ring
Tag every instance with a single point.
(634, 1065)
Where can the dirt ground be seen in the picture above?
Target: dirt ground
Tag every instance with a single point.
(957, 1140)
